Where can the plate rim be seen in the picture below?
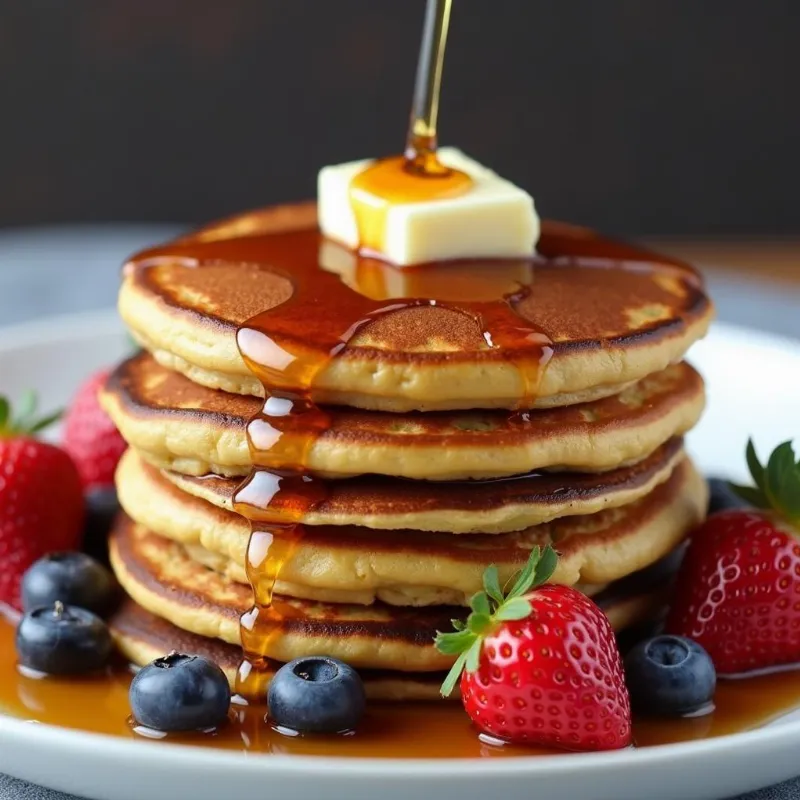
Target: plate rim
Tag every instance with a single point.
(40, 735)
(102, 322)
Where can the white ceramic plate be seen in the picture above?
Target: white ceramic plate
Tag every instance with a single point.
(754, 386)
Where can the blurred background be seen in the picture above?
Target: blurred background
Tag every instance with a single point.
(654, 119)
(636, 116)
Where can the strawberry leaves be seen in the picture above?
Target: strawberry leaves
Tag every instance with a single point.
(25, 421)
(777, 484)
(490, 607)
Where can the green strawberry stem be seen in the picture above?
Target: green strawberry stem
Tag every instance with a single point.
(489, 608)
(777, 485)
(25, 421)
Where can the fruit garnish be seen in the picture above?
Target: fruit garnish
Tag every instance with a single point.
(62, 640)
(723, 496)
(539, 664)
(670, 676)
(777, 484)
(316, 695)
(102, 508)
(738, 589)
(74, 579)
(24, 422)
(90, 437)
(41, 499)
(180, 693)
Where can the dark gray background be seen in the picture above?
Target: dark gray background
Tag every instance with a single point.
(636, 116)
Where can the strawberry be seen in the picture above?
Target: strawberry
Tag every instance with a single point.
(738, 590)
(90, 436)
(41, 500)
(539, 665)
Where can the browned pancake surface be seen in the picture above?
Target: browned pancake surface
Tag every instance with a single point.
(163, 568)
(609, 301)
(377, 494)
(146, 390)
(571, 536)
(141, 633)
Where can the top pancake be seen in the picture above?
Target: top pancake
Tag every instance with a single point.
(613, 317)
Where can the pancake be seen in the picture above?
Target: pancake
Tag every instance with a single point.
(511, 504)
(357, 565)
(159, 576)
(162, 578)
(612, 315)
(142, 637)
(176, 424)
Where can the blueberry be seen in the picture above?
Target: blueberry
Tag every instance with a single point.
(669, 676)
(316, 695)
(74, 579)
(180, 693)
(723, 498)
(62, 640)
(102, 508)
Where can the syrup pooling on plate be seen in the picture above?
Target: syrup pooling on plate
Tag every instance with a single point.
(99, 704)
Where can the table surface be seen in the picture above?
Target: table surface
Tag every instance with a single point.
(69, 269)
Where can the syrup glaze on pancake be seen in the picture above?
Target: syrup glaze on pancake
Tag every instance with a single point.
(353, 564)
(494, 506)
(194, 430)
(159, 577)
(607, 313)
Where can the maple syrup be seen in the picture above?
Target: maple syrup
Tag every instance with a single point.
(394, 181)
(418, 175)
(273, 345)
(99, 704)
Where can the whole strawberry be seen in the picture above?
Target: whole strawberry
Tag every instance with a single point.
(41, 500)
(90, 436)
(540, 665)
(738, 590)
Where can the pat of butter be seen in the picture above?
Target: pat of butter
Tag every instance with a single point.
(492, 219)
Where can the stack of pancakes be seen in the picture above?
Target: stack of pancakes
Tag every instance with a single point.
(428, 479)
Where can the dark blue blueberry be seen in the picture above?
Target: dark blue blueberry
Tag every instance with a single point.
(62, 640)
(180, 693)
(102, 508)
(722, 497)
(74, 579)
(669, 676)
(316, 695)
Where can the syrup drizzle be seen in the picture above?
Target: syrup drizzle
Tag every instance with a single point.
(99, 704)
(418, 175)
(332, 297)
(282, 490)
(282, 435)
